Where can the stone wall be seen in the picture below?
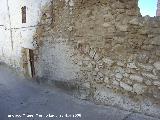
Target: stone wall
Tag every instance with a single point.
(104, 46)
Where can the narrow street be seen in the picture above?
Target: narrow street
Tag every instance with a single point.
(22, 99)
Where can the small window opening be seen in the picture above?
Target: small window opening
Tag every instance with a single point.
(148, 7)
(23, 14)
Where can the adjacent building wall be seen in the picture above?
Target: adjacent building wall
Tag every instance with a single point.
(15, 35)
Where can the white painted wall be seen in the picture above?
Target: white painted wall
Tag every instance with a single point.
(12, 28)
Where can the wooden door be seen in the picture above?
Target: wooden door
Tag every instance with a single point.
(28, 62)
(31, 60)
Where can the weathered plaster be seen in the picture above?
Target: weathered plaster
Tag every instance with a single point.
(15, 35)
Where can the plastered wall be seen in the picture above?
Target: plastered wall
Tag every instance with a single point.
(15, 35)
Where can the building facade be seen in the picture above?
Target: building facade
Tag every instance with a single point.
(102, 48)
(18, 22)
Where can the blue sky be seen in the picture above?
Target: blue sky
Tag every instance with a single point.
(148, 7)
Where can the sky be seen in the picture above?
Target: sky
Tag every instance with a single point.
(148, 7)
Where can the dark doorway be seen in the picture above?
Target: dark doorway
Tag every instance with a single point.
(28, 62)
(31, 56)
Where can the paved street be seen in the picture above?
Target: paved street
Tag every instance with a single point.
(22, 99)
